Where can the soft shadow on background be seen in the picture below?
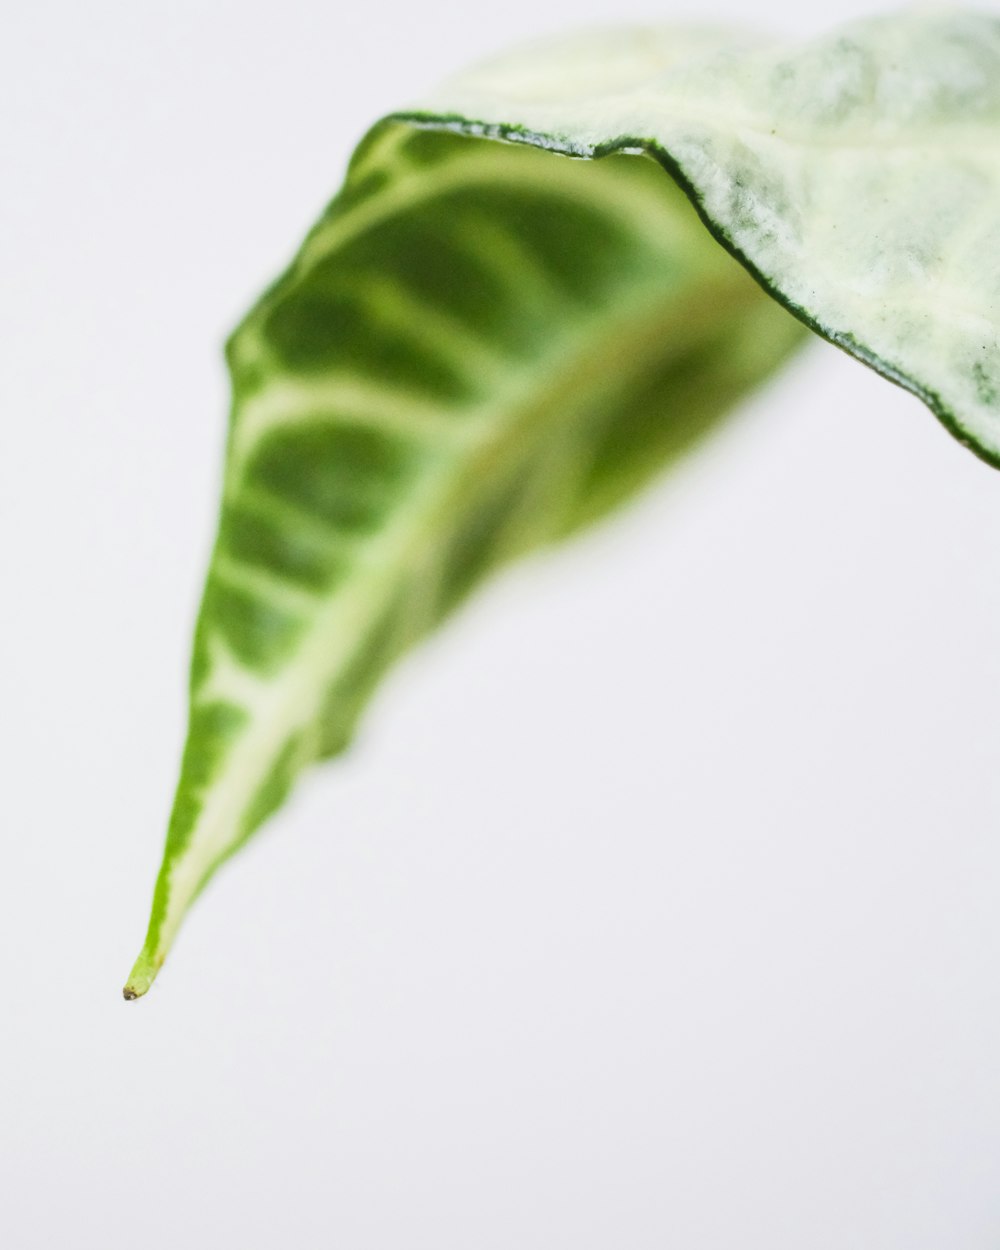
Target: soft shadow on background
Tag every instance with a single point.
(656, 905)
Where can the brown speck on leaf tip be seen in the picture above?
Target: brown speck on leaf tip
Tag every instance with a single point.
(129, 994)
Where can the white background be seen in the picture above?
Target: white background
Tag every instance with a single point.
(657, 905)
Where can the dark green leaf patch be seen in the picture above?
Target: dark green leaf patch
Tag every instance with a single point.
(284, 550)
(348, 476)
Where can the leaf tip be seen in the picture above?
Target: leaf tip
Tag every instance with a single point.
(141, 977)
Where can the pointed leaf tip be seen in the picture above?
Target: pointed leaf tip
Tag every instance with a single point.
(141, 977)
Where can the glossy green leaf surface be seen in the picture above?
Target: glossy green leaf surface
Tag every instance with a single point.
(484, 345)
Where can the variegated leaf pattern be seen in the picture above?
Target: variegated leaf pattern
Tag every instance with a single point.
(857, 175)
(484, 345)
(479, 348)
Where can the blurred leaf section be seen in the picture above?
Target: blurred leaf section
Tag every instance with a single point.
(480, 348)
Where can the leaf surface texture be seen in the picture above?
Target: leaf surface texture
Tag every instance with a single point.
(484, 345)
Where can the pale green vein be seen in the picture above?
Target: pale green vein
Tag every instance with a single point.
(289, 400)
(440, 336)
(631, 205)
(278, 591)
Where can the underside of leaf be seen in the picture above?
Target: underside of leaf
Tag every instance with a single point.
(858, 176)
(484, 345)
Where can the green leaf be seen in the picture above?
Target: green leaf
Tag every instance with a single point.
(484, 345)
(858, 176)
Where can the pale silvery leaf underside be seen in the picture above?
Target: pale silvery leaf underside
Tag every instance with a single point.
(857, 176)
(484, 345)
